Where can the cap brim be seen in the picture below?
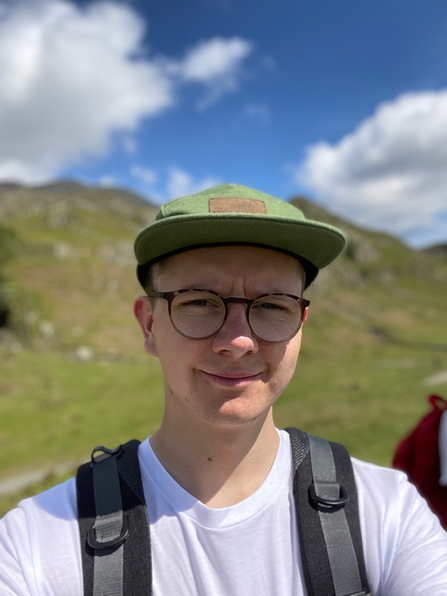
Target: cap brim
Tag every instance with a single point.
(316, 242)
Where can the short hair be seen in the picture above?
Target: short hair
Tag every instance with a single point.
(153, 277)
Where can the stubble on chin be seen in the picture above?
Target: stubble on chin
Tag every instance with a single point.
(220, 407)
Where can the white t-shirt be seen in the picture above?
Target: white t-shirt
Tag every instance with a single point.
(248, 549)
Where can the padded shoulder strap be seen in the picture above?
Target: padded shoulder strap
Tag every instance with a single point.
(96, 495)
(327, 514)
(324, 486)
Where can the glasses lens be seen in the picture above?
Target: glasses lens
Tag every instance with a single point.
(276, 317)
(197, 314)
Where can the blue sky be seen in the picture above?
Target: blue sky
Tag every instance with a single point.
(344, 102)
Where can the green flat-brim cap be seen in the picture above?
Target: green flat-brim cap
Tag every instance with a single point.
(234, 214)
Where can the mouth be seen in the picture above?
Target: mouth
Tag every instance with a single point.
(231, 379)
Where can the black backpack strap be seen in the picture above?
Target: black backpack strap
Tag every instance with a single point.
(113, 524)
(323, 486)
(327, 514)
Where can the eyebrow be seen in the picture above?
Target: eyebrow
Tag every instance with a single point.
(211, 283)
(253, 294)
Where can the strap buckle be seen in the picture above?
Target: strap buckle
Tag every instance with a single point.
(329, 501)
(111, 527)
(105, 454)
(94, 543)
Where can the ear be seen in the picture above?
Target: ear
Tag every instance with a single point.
(143, 311)
(305, 313)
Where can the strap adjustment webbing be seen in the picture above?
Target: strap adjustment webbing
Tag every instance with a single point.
(110, 529)
(109, 572)
(330, 497)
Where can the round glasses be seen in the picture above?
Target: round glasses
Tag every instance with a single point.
(199, 314)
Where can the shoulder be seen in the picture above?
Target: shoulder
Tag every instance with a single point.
(54, 506)
(383, 487)
(387, 495)
(368, 475)
(405, 546)
(40, 539)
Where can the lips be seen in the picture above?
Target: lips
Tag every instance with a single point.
(231, 378)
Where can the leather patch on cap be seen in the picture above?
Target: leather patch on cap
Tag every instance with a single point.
(237, 205)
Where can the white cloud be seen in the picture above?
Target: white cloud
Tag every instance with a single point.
(169, 183)
(216, 63)
(70, 77)
(390, 172)
(146, 175)
(67, 80)
(180, 183)
(215, 58)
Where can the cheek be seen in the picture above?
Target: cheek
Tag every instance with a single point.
(285, 361)
(176, 353)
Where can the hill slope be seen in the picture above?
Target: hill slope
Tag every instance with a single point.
(74, 264)
(73, 372)
(380, 283)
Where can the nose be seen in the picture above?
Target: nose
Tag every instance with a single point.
(235, 335)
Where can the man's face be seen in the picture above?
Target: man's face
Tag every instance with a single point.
(231, 377)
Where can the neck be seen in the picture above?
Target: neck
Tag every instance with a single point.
(219, 465)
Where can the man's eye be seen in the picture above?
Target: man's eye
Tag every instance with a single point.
(275, 307)
(271, 306)
(200, 303)
(197, 303)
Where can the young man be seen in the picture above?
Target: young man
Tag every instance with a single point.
(225, 271)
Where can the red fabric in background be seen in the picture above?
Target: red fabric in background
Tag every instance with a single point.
(418, 456)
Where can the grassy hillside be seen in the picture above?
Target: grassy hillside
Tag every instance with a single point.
(73, 373)
(73, 275)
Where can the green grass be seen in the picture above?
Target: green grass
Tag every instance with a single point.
(367, 347)
(55, 410)
(366, 400)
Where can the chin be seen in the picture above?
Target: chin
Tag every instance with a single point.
(234, 414)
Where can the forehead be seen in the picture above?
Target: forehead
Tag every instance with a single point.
(255, 266)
